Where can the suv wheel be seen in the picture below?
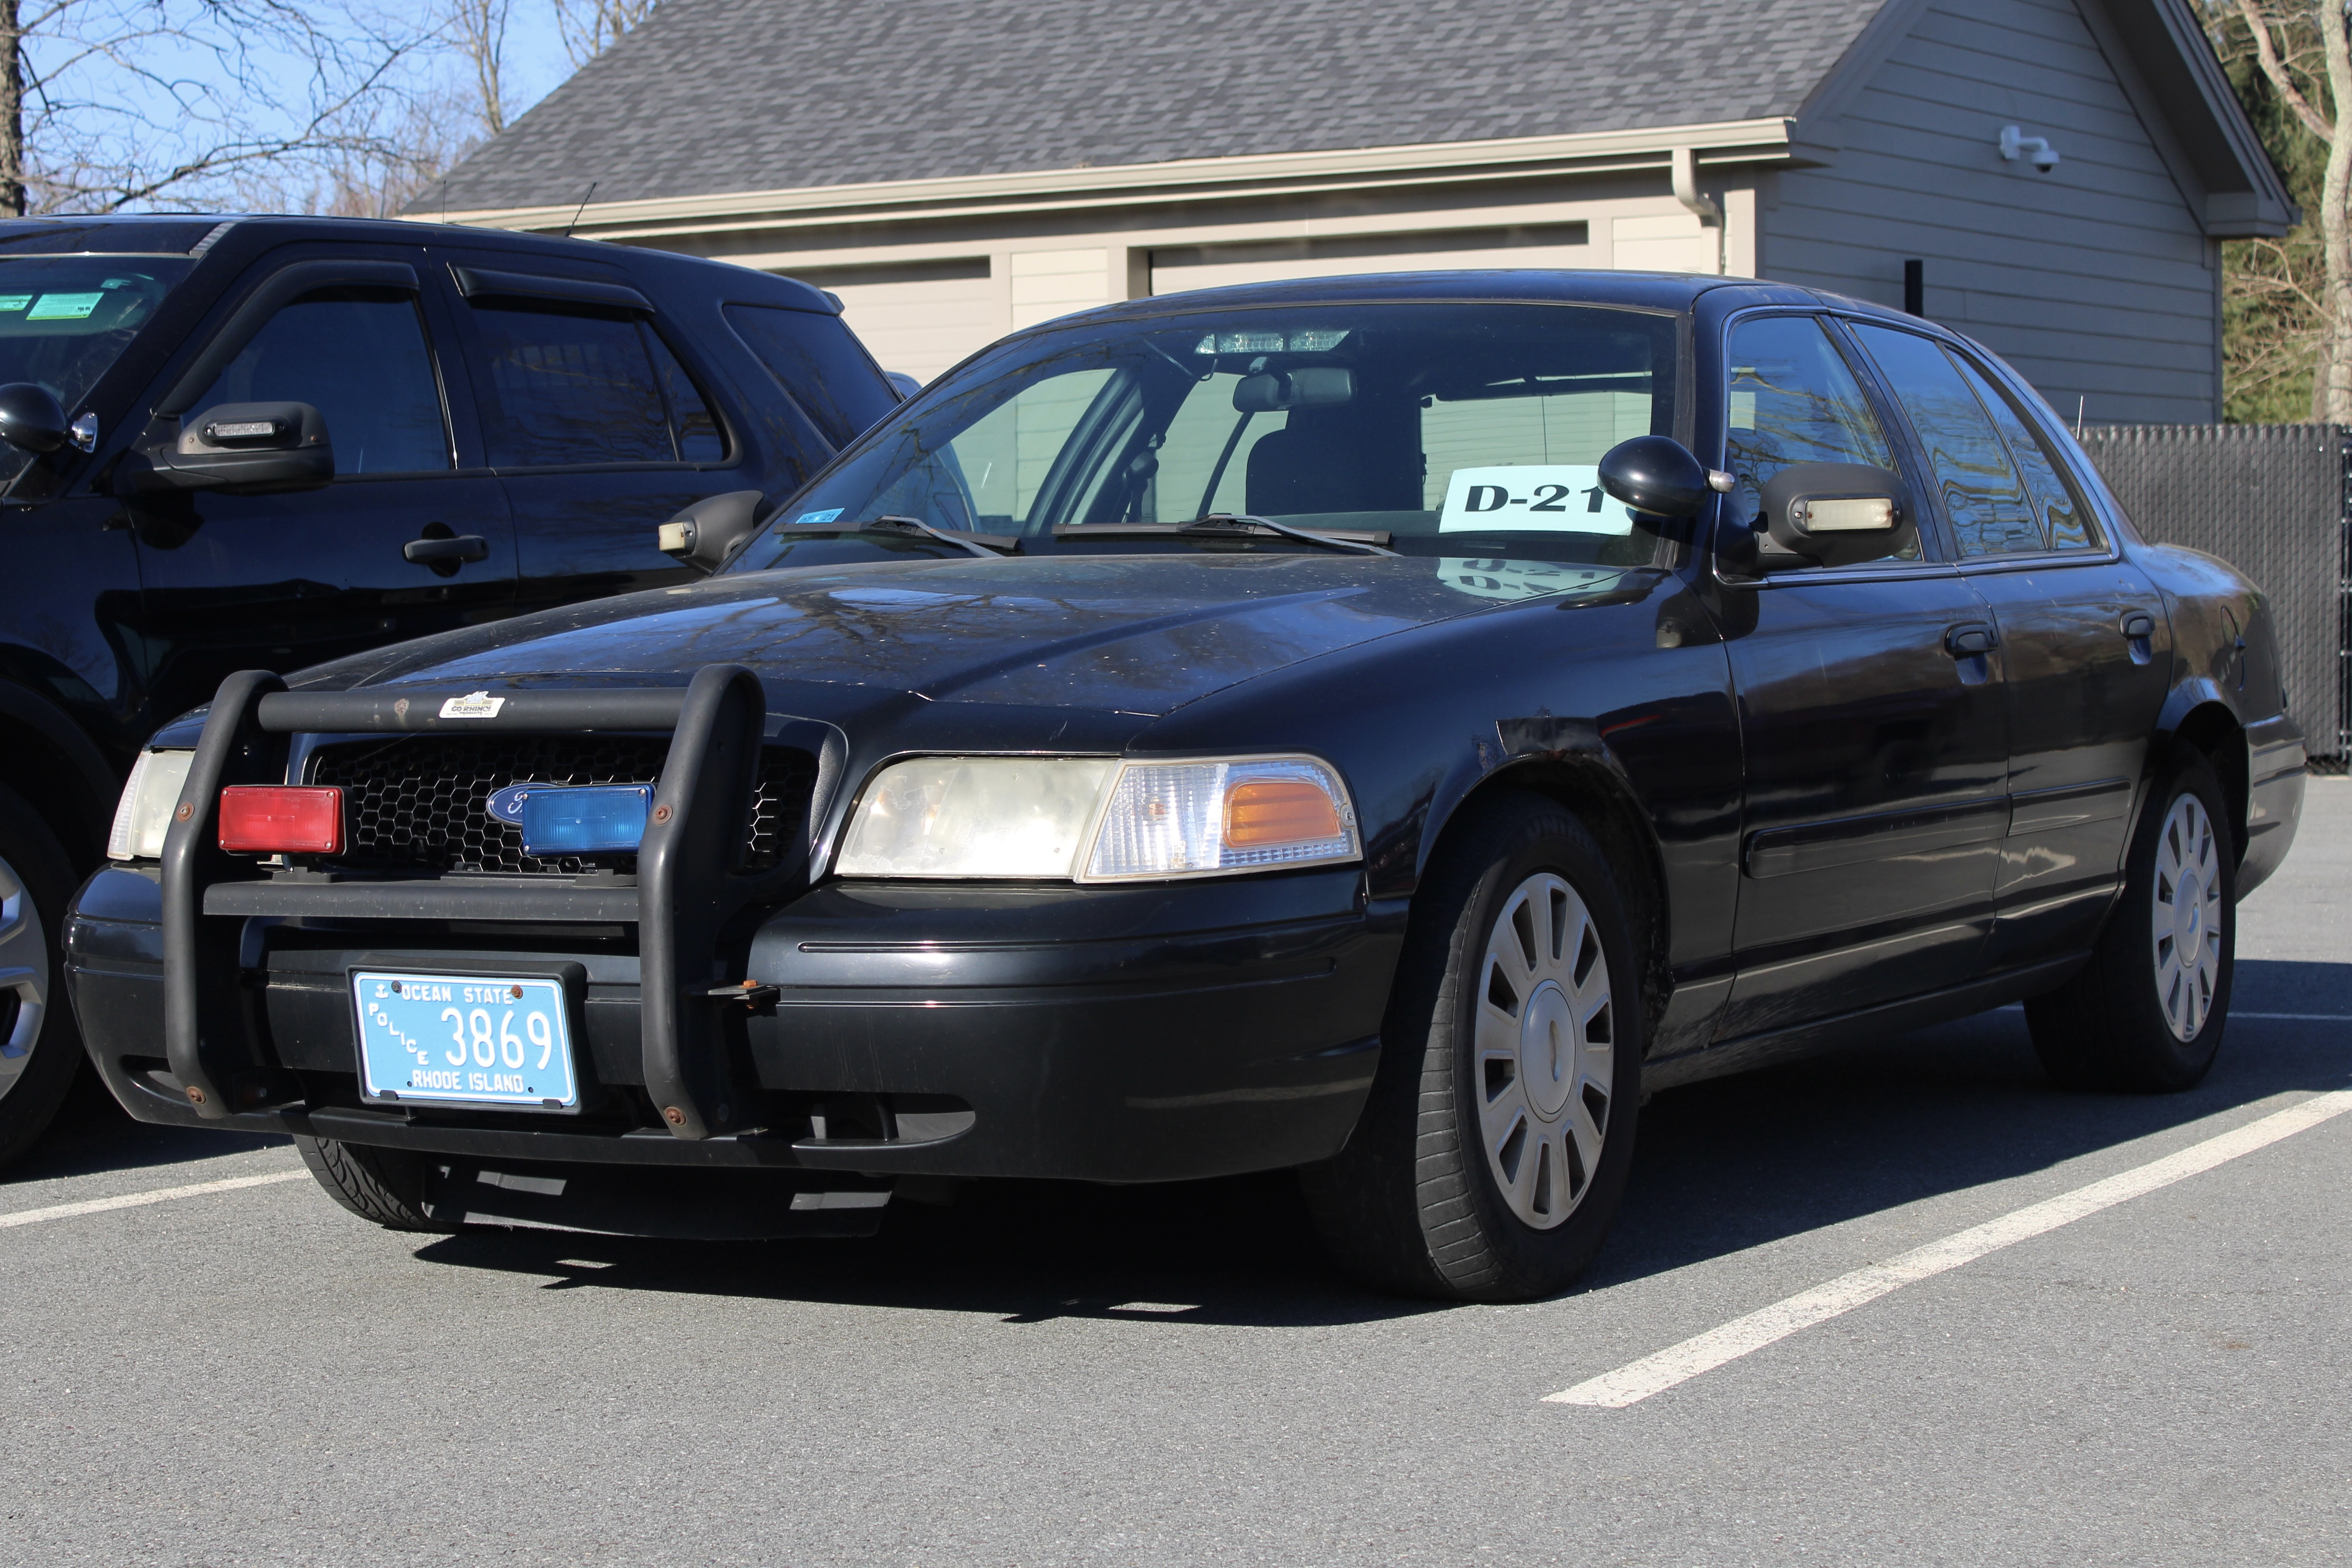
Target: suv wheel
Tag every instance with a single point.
(1493, 1149)
(39, 1049)
(2146, 1013)
(386, 1186)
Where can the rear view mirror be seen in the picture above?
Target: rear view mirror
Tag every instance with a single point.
(1837, 515)
(706, 533)
(246, 448)
(1312, 386)
(30, 417)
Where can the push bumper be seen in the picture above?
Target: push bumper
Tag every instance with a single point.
(1110, 1034)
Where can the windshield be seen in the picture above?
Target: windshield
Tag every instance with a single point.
(1467, 432)
(63, 320)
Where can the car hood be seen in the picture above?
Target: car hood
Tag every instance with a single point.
(1137, 634)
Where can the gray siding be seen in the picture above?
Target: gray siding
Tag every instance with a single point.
(2095, 280)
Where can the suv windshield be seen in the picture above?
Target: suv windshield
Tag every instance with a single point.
(1469, 431)
(63, 320)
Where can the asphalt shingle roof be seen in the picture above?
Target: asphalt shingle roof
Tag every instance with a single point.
(715, 96)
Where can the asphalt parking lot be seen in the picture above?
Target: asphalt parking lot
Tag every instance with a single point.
(1049, 1374)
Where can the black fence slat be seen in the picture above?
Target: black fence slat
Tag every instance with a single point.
(2273, 500)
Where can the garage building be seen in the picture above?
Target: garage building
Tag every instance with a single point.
(2053, 176)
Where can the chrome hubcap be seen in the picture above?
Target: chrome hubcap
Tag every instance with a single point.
(1543, 1050)
(2186, 917)
(24, 976)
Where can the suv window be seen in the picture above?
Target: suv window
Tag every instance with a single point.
(582, 388)
(1984, 497)
(1792, 399)
(64, 319)
(359, 356)
(819, 366)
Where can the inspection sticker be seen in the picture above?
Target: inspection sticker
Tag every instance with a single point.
(472, 705)
(812, 518)
(1564, 498)
(15, 301)
(63, 307)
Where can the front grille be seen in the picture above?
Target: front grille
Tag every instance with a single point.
(417, 803)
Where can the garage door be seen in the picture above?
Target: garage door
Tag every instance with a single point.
(917, 317)
(1266, 261)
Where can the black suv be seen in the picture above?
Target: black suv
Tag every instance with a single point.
(265, 442)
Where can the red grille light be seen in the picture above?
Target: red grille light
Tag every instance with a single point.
(271, 819)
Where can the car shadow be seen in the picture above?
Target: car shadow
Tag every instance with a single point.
(93, 1134)
(1721, 1166)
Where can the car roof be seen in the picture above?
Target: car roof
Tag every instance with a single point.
(1669, 291)
(196, 234)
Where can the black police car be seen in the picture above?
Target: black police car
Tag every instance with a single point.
(265, 442)
(1376, 726)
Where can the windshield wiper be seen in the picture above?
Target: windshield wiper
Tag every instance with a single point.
(1233, 525)
(987, 546)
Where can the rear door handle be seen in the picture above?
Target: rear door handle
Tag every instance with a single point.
(2139, 624)
(1972, 639)
(439, 551)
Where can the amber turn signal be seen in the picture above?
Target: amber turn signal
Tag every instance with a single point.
(275, 819)
(1261, 812)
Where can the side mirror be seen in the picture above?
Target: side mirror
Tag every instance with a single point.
(706, 533)
(250, 448)
(1837, 515)
(1657, 473)
(30, 418)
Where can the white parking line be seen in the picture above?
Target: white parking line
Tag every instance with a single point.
(152, 1195)
(1637, 1381)
(2298, 1017)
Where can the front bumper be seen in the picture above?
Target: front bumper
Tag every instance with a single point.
(1123, 1034)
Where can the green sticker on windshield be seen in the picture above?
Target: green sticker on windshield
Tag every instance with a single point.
(63, 307)
(15, 301)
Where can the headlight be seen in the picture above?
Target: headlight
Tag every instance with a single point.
(145, 810)
(1095, 820)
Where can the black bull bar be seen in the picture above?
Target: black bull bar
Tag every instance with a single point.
(689, 881)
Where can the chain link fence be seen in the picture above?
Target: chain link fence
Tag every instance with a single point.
(2273, 500)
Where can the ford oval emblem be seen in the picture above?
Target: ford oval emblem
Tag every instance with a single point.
(506, 805)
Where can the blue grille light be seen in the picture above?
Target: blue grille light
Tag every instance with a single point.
(585, 821)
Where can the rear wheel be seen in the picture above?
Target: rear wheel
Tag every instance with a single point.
(2146, 1014)
(39, 1049)
(386, 1186)
(1493, 1151)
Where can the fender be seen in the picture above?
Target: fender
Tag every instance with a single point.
(92, 782)
(2189, 695)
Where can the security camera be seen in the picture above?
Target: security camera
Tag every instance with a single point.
(2035, 150)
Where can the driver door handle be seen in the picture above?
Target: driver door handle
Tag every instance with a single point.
(2139, 624)
(1971, 639)
(438, 552)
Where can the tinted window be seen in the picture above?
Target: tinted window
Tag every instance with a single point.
(818, 364)
(1465, 433)
(1984, 498)
(358, 356)
(1792, 399)
(64, 319)
(2061, 514)
(575, 388)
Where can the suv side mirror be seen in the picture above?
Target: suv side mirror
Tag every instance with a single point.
(1657, 473)
(30, 418)
(1837, 515)
(250, 448)
(706, 533)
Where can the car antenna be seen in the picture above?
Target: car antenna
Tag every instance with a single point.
(2079, 401)
(578, 210)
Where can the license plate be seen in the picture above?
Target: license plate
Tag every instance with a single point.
(465, 1039)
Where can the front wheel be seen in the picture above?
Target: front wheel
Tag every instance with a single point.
(39, 1049)
(1493, 1150)
(386, 1186)
(2146, 1014)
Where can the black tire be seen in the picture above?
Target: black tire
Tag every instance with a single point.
(31, 859)
(1415, 1203)
(2112, 1027)
(386, 1186)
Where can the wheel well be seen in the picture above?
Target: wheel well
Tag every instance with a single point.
(1599, 799)
(2213, 730)
(54, 786)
